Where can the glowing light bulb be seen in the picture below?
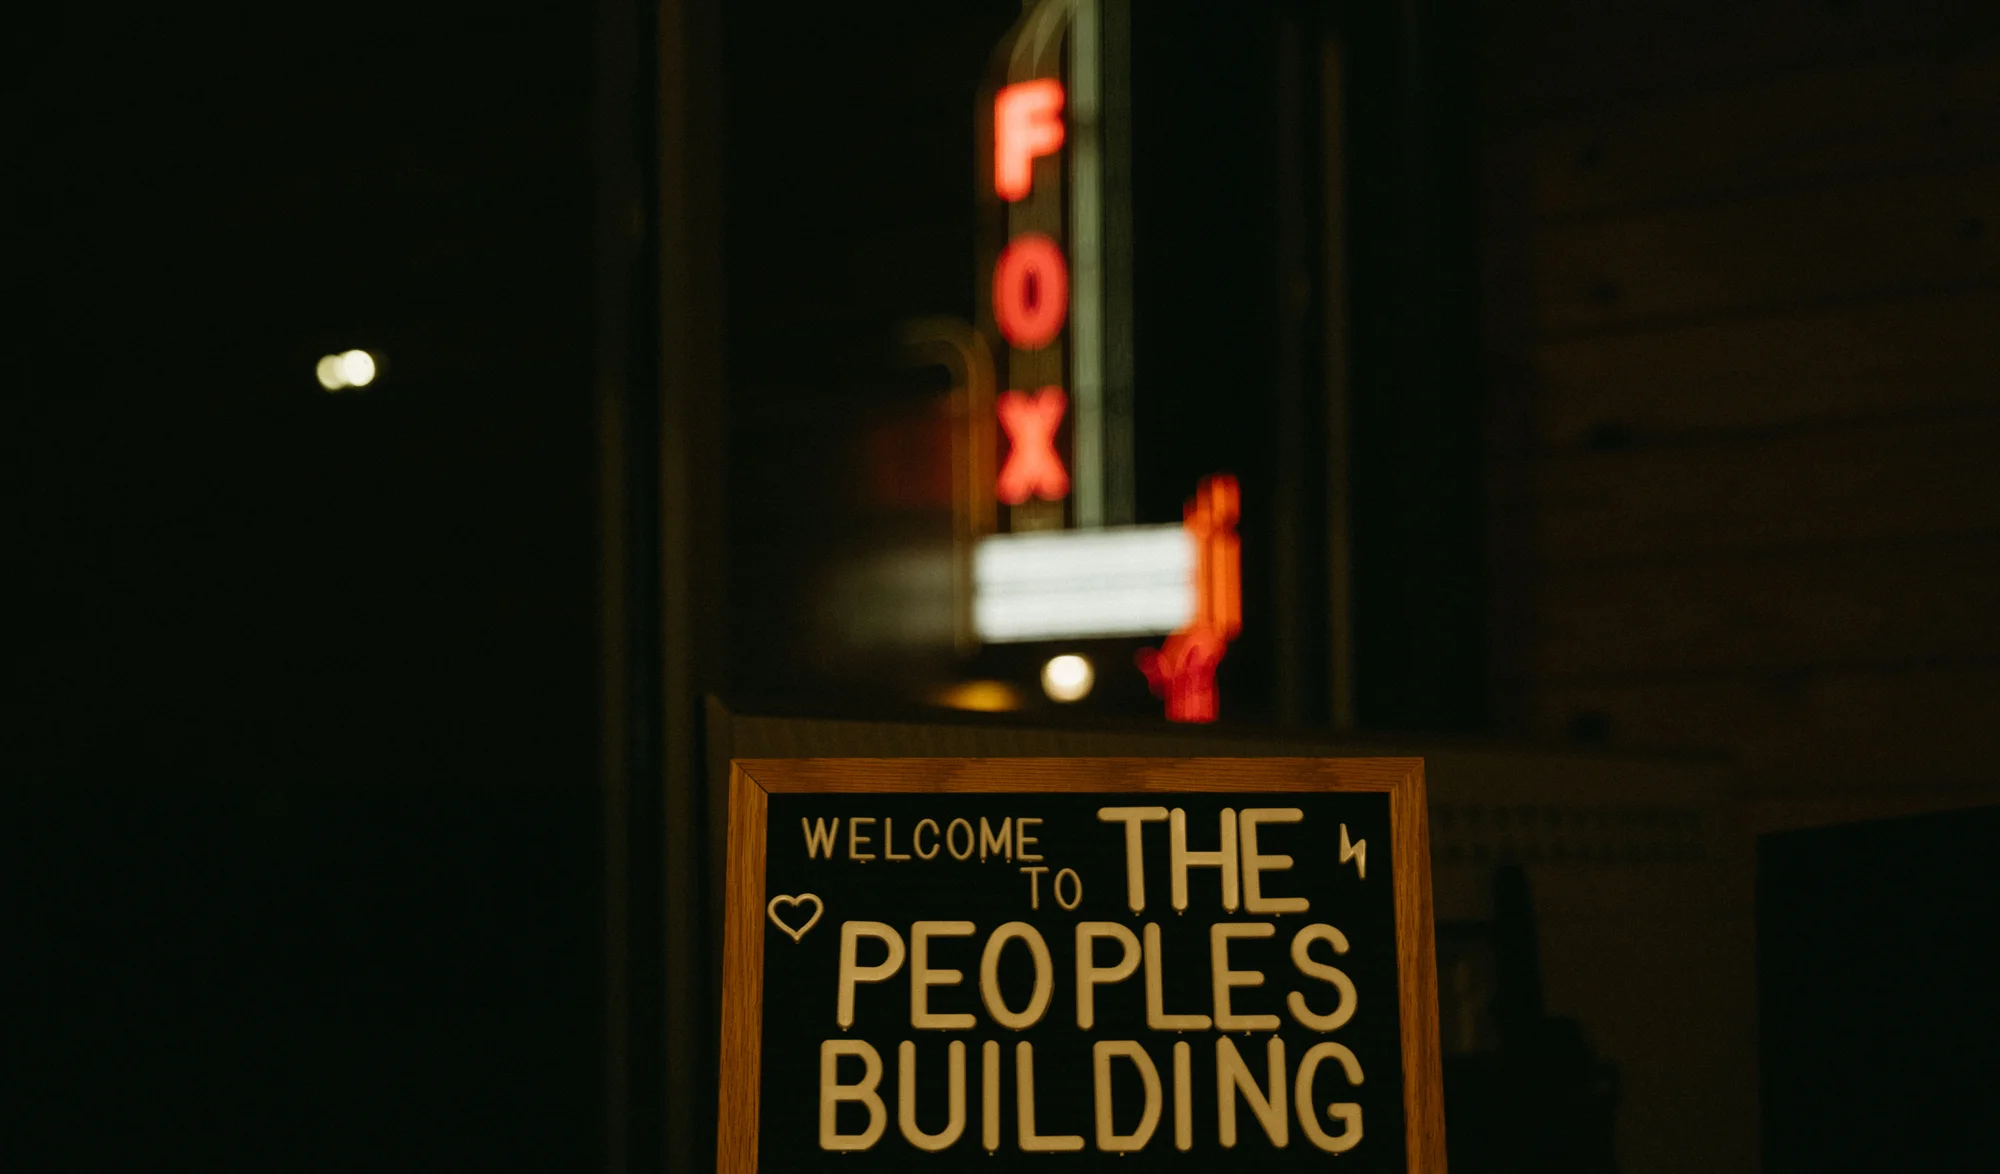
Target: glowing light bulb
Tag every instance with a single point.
(347, 369)
(358, 368)
(1068, 678)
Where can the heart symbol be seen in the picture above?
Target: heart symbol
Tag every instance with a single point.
(771, 910)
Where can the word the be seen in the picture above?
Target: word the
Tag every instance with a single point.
(1237, 855)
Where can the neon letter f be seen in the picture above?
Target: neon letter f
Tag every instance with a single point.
(1027, 123)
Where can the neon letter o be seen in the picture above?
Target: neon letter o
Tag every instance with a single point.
(1030, 291)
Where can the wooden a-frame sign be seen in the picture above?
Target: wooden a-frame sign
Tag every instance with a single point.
(1039, 963)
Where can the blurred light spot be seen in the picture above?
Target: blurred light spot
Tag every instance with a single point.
(980, 696)
(1126, 581)
(347, 369)
(1183, 669)
(358, 367)
(1068, 678)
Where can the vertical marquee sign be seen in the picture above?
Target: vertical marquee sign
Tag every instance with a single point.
(1047, 548)
(1052, 294)
(1118, 964)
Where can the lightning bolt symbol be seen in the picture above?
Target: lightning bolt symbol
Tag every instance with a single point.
(1356, 851)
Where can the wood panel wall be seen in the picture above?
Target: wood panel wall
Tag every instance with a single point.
(1743, 334)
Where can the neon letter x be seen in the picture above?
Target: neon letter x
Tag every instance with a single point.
(1032, 464)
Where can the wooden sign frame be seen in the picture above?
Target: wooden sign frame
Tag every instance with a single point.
(752, 781)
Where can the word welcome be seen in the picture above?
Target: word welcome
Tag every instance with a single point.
(1010, 841)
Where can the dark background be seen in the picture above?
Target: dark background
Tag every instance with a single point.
(334, 820)
(300, 822)
(1868, 922)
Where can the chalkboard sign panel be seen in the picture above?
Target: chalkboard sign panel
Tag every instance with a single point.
(1038, 963)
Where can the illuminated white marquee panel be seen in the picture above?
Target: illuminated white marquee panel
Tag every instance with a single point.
(1057, 584)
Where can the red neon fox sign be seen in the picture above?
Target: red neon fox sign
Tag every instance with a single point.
(1030, 291)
